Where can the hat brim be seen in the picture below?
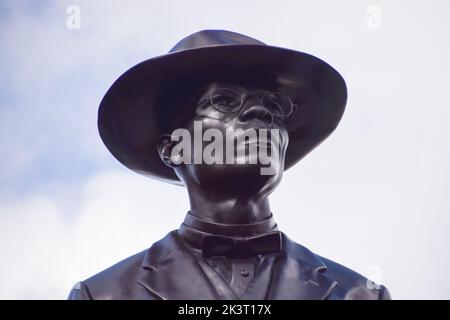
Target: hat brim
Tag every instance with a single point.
(132, 114)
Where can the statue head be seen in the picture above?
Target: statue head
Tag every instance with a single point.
(234, 140)
(188, 87)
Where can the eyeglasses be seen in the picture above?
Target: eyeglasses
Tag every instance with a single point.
(228, 103)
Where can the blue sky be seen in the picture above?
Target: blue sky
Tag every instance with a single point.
(378, 187)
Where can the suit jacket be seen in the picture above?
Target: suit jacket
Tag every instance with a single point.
(169, 271)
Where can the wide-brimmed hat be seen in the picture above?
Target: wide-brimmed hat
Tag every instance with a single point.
(147, 100)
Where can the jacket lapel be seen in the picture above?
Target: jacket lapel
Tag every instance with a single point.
(171, 272)
(298, 274)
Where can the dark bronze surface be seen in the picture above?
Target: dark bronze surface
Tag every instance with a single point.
(168, 271)
(229, 212)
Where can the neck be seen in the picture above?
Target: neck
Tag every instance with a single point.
(228, 209)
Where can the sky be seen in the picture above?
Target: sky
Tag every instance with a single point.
(373, 197)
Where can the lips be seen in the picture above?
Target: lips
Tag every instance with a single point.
(265, 141)
(259, 143)
(254, 136)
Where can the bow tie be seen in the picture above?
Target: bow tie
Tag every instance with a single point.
(214, 245)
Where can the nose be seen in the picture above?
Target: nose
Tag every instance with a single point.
(256, 112)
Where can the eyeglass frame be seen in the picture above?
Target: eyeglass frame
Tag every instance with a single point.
(243, 96)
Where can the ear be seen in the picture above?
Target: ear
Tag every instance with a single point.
(165, 147)
(294, 110)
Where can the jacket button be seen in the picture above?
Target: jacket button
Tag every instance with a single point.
(244, 273)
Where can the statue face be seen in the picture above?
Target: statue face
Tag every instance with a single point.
(251, 120)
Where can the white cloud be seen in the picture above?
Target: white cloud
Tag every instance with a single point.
(44, 254)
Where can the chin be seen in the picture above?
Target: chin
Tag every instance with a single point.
(245, 178)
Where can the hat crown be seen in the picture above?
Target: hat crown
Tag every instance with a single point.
(208, 38)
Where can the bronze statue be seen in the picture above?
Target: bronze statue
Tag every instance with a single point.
(229, 246)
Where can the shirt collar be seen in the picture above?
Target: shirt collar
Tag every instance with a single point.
(194, 228)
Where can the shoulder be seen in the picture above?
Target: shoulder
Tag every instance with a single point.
(123, 280)
(111, 281)
(352, 285)
(349, 285)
